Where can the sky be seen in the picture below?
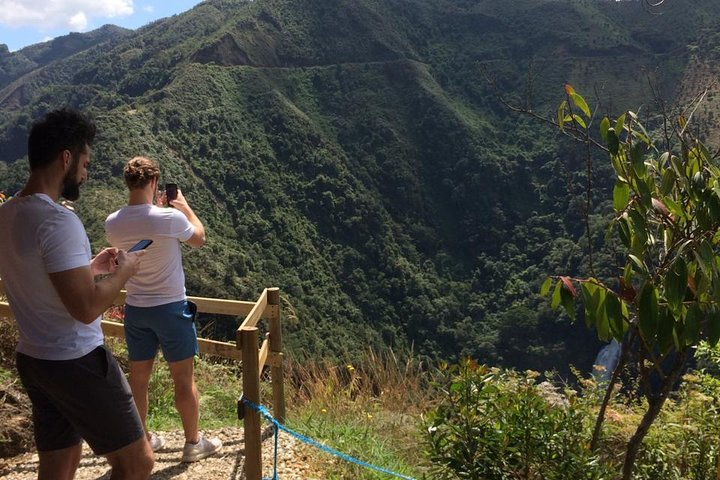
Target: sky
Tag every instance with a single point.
(25, 22)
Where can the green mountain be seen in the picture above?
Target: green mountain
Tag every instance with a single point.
(354, 154)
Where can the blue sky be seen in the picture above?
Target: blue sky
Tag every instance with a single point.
(25, 22)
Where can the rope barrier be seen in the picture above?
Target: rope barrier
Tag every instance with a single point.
(278, 426)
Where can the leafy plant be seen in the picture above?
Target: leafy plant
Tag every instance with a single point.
(667, 215)
(496, 424)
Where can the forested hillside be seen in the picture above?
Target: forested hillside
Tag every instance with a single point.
(353, 153)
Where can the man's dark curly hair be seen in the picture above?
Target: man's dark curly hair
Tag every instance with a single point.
(58, 130)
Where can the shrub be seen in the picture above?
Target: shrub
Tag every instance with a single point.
(499, 424)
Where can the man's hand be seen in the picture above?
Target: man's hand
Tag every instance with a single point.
(129, 262)
(104, 262)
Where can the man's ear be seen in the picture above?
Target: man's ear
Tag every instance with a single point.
(67, 159)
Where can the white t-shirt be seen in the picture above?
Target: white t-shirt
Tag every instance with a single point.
(41, 237)
(161, 278)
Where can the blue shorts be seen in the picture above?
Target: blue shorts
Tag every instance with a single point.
(84, 398)
(170, 326)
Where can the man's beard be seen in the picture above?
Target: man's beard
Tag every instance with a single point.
(71, 187)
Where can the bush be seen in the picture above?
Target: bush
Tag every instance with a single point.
(498, 424)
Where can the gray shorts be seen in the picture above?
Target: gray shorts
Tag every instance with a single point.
(85, 398)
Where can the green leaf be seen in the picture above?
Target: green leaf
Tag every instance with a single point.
(644, 190)
(621, 196)
(561, 114)
(604, 125)
(705, 259)
(620, 124)
(614, 313)
(675, 209)
(613, 142)
(666, 323)
(568, 302)
(676, 284)
(638, 263)
(636, 159)
(556, 299)
(713, 205)
(603, 322)
(545, 287)
(578, 119)
(639, 226)
(691, 332)
(580, 103)
(668, 181)
(624, 231)
(648, 313)
(591, 301)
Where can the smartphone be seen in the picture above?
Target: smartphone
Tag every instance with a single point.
(141, 245)
(170, 192)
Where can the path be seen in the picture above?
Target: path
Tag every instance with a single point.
(228, 464)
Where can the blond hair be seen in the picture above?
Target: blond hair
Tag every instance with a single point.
(140, 171)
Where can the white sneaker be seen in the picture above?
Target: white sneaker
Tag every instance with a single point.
(192, 452)
(156, 442)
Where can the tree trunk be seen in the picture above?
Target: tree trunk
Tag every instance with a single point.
(655, 405)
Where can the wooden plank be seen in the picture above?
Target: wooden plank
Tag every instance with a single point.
(277, 375)
(208, 305)
(221, 349)
(218, 306)
(263, 355)
(251, 391)
(112, 329)
(256, 313)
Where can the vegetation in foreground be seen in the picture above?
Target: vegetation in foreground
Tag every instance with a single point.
(462, 421)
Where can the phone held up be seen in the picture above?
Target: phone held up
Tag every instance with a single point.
(141, 245)
(170, 192)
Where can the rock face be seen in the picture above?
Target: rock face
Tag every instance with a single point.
(225, 51)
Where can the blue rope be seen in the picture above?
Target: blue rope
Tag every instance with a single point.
(278, 426)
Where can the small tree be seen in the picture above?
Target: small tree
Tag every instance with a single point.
(667, 215)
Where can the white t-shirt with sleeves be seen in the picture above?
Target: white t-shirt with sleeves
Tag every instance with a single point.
(42, 237)
(161, 278)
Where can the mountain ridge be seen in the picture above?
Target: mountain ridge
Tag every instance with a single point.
(356, 156)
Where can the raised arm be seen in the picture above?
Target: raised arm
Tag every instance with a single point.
(198, 237)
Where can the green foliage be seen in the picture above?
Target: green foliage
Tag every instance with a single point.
(348, 154)
(496, 424)
(667, 213)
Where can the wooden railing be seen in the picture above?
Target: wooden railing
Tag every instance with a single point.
(245, 349)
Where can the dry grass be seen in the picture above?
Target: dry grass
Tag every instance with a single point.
(370, 410)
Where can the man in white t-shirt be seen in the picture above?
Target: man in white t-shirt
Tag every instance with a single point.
(157, 313)
(57, 294)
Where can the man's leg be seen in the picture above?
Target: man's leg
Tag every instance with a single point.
(59, 464)
(131, 462)
(187, 401)
(139, 380)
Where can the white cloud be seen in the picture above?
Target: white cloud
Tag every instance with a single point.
(149, 8)
(48, 14)
(78, 22)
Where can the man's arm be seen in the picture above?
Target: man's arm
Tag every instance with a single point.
(198, 237)
(86, 299)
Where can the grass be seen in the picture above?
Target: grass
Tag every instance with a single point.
(370, 411)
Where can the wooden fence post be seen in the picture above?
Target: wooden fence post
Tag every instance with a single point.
(276, 370)
(251, 391)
